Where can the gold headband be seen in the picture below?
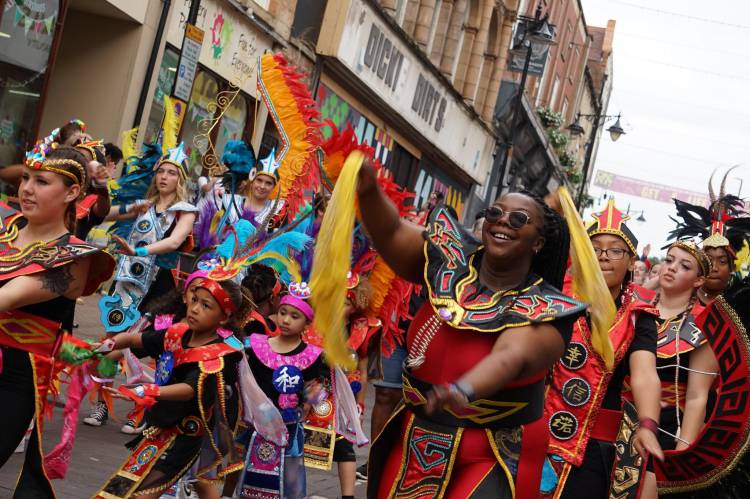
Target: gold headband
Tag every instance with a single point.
(180, 168)
(53, 165)
(703, 261)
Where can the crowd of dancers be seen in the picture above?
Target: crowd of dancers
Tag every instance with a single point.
(245, 313)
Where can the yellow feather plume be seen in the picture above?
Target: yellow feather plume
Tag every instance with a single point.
(170, 127)
(128, 139)
(588, 281)
(331, 264)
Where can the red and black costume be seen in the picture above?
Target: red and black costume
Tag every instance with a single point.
(584, 401)
(30, 338)
(176, 430)
(495, 446)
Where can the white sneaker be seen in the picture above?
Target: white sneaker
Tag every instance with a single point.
(98, 416)
(130, 428)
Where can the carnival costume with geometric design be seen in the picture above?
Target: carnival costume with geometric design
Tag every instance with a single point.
(416, 454)
(31, 336)
(716, 463)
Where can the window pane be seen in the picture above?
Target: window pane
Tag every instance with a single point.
(232, 124)
(164, 84)
(27, 30)
(204, 93)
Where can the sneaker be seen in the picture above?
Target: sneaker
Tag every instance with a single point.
(98, 416)
(362, 472)
(130, 427)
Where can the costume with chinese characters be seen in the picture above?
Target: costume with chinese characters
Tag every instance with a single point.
(495, 446)
(30, 339)
(282, 378)
(584, 401)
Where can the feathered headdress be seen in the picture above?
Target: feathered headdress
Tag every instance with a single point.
(390, 294)
(724, 224)
(243, 247)
(295, 115)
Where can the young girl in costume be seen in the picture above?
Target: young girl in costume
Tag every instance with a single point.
(682, 351)
(144, 272)
(44, 270)
(197, 359)
(287, 370)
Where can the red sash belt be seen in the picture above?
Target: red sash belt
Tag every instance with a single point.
(607, 425)
(29, 332)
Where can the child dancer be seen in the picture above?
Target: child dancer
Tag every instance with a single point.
(197, 360)
(287, 370)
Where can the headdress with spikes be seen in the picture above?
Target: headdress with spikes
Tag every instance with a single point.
(267, 166)
(724, 224)
(175, 156)
(612, 221)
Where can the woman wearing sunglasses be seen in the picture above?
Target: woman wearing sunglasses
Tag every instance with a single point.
(478, 349)
(586, 390)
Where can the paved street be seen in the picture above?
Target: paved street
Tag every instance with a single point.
(98, 451)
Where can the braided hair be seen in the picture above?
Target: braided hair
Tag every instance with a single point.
(551, 262)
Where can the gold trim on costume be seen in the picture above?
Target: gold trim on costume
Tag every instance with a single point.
(499, 458)
(52, 165)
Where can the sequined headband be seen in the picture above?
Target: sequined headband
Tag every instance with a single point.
(53, 165)
(221, 296)
(703, 261)
(91, 147)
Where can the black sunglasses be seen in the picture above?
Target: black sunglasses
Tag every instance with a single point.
(516, 219)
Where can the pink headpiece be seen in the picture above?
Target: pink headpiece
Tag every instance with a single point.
(198, 274)
(297, 298)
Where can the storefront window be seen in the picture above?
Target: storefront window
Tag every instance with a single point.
(205, 89)
(27, 30)
(164, 84)
(270, 140)
(232, 126)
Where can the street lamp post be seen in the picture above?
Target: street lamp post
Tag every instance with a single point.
(538, 34)
(598, 120)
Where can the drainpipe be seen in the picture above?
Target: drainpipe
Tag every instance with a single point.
(152, 62)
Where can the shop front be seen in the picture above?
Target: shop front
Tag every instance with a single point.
(29, 33)
(400, 104)
(232, 43)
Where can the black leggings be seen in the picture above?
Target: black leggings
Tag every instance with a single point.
(17, 394)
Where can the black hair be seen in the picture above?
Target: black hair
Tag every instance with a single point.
(439, 196)
(114, 152)
(551, 262)
(241, 304)
(260, 281)
(170, 303)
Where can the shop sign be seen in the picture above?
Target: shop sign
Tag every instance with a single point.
(191, 48)
(389, 67)
(232, 44)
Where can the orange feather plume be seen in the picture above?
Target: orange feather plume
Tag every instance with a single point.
(294, 112)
